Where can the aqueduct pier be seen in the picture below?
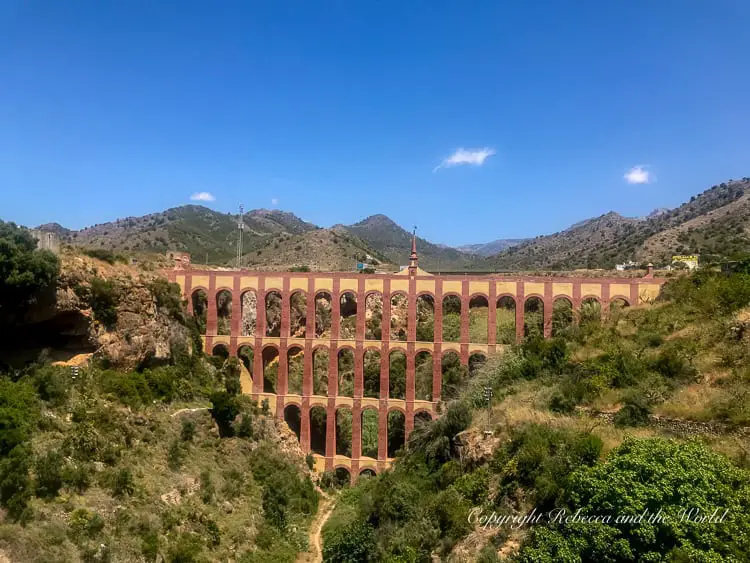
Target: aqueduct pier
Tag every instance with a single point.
(285, 340)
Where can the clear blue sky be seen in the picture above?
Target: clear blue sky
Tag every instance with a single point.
(336, 110)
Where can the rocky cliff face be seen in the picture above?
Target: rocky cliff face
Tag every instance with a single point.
(145, 324)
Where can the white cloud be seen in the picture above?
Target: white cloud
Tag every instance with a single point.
(475, 157)
(639, 175)
(202, 196)
(274, 201)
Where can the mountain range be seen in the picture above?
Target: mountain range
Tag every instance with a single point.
(714, 223)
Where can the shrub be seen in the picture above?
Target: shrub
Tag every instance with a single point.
(19, 411)
(188, 430)
(49, 470)
(354, 542)
(175, 455)
(105, 255)
(245, 428)
(541, 459)
(660, 475)
(224, 409)
(121, 483)
(77, 476)
(15, 484)
(131, 388)
(207, 487)
(103, 297)
(52, 383)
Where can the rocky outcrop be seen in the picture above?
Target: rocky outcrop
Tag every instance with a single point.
(144, 332)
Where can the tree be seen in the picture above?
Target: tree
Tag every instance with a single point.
(24, 271)
(354, 543)
(651, 475)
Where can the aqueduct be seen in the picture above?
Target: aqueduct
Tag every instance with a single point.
(361, 329)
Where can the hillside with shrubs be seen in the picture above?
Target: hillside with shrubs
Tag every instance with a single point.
(147, 454)
(647, 410)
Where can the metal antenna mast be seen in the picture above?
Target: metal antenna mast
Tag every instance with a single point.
(240, 228)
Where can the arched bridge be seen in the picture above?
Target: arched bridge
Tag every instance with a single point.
(376, 351)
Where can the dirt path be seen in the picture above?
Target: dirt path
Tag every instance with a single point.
(181, 411)
(315, 551)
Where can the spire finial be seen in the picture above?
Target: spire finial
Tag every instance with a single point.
(413, 258)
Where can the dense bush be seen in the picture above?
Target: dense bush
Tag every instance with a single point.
(654, 475)
(105, 255)
(24, 271)
(540, 460)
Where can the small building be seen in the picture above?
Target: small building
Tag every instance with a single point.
(46, 240)
(691, 261)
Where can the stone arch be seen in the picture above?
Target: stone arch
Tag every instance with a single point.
(369, 435)
(293, 418)
(423, 376)
(505, 320)
(199, 301)
(246, 356)
(590, 314)
(453, 373)
(224, 312)
(425, 317)
(422, 417)
(371, 375)
(295, 364)
(270, 369)
(221, 350)
(367, 473)
(249, 312)
(348, 315)
(318, 427)
(479, 307)
(374, 316)
(273, 313)
(533, 317)
(451, 318)
(476, 361)
(397, 374)
(298, 314)
(562, 315)
(346, 372)
(342, 476)
(396, 431)
(320, 370)
(323, 312)
(344, 432)
(399, 316)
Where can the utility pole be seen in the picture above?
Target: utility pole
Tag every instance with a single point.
(240, 228)
(488, 398)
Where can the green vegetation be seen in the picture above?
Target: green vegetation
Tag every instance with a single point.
(24, 272)
(683, 357)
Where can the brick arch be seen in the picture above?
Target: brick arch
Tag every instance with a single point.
(479, 294)
(368, 467)
(246, 288)
(392, 408)
(426, 292)
(596, 298)
(342, 347)
(532, 295)
(372, 345)
(451, 293)
(424, 410)
(620, 297)
(222, 288)
(318, 403)
(325, 347)
(397, 345)
(372, 292)
(293, 402)
(421, 348)
(198, 288)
